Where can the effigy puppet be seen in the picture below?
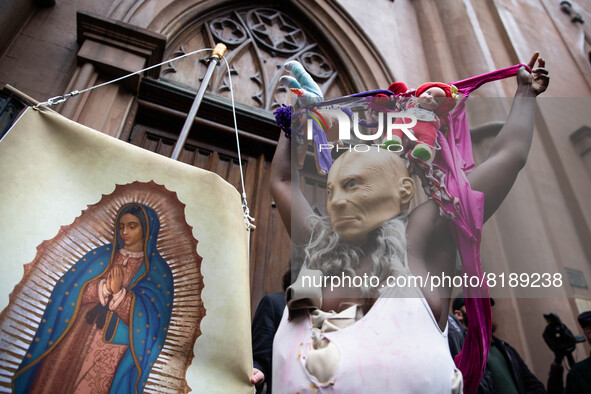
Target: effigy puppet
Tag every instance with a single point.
(349, 338)
(428, 104)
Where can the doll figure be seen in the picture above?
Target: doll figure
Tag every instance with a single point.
(429, 103)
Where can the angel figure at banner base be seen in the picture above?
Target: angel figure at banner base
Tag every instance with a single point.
(107, 318)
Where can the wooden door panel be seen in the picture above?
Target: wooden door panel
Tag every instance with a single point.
(270, 246)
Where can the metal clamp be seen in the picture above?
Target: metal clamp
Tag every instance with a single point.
(58, 99)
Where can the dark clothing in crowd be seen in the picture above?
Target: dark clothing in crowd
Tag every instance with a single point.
(505, 372)
(555, 385)
(456, 334)
(578, 379)
(521, 377)
(264, 325)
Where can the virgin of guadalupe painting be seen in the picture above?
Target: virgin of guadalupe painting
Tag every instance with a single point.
(107, 320)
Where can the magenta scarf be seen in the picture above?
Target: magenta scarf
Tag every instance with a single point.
(456, 159)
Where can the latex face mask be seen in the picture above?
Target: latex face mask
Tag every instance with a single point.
(364, 191)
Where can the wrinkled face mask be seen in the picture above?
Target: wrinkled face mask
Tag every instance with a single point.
(363, 191)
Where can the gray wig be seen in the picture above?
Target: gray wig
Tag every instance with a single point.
(325, 251)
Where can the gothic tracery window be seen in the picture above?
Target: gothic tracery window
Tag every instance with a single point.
(259, 41)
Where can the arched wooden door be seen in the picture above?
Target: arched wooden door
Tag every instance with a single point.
(259, 40)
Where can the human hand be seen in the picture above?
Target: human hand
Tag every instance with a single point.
(309, 93)
(558, 357)
(537, 81)
(114, 280)
(257, 378)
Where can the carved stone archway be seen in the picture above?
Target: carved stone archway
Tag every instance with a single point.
(259, 41)
(347, 45)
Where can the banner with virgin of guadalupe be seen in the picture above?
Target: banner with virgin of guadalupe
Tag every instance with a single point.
(122, 271)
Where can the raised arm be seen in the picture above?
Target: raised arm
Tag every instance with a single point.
(508, 154)
(285, 189)
(285, 178)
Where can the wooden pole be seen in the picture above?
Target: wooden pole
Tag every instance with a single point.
(216, 55)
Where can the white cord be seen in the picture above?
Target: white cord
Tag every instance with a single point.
(248, 220)
(60, 99)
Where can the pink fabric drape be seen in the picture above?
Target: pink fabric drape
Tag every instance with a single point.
(456, 159)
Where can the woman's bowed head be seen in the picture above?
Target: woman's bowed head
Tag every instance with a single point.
(130, 230)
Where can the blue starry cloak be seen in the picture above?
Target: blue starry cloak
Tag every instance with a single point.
(151, 291)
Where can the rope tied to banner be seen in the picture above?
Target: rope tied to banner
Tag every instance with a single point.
(248, 220)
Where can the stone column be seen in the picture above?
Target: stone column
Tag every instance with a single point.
(437, 49)
(13, 14)
(109, 49)
(518, 238)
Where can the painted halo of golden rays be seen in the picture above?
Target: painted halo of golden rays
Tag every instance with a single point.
(93, 228)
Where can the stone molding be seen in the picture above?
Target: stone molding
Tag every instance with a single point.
(118, 48)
